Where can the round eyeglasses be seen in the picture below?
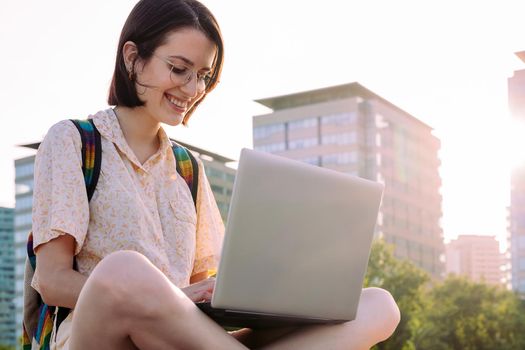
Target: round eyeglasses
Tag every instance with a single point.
(182, 73)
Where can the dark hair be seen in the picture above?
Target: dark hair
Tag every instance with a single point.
(147, 26)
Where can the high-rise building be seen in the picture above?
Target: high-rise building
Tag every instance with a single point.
(351, 129)
(476, 257)
(516, 86)
(24, 169)
(7, 277)
(220, 175)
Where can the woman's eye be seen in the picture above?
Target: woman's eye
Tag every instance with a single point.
(206, 77)
(178, 70)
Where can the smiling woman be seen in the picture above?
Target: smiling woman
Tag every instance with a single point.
(132, 256)
(172, 80)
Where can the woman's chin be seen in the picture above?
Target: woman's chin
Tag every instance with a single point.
(174, 120)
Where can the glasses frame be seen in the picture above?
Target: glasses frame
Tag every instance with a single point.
(205, 78)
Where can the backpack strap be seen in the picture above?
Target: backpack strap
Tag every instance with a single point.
(91, 162)
(187, 168)
(91, 153)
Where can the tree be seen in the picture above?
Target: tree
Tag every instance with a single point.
(452, 314)
(405, 282)
(473, 316)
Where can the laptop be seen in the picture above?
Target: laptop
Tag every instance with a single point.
(296, 245)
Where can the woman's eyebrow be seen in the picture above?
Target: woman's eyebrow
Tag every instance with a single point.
(187, 61)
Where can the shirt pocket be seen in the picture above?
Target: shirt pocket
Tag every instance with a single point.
(184, 211)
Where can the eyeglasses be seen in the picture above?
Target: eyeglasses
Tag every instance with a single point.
(181, 73)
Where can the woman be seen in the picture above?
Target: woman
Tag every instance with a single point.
(142, 250)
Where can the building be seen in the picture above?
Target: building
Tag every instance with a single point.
(24, 169)
(476, 257)
(7, 277)
(351, 129)
(516, 85)
(220, 175)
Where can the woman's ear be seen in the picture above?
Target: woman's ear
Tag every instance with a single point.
(130, 55)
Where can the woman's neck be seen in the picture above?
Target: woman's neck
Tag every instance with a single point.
(137, 126)
(140, 131)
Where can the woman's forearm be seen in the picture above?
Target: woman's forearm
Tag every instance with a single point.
(62, 287)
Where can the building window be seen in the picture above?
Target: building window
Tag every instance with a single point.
(212, 172)
(264, 131)
(271, 147)
(302, 143)
(340, 158)
(24, 202)
(217, 189)
(339, 118)
(24, 170)
(23, 219)
(302, 124)
(339, 139)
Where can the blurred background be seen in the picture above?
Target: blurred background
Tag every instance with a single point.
(425, 96)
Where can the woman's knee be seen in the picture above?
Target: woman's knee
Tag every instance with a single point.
(129, 284)
(379, 302)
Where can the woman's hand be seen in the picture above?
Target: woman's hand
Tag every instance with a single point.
(200, 291)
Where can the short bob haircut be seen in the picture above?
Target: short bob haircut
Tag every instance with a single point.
(147, 26)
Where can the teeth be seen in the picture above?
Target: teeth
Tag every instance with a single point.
(177, 102)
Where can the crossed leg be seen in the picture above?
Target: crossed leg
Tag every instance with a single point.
(127, 303)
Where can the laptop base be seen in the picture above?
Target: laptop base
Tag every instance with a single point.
(242, 319)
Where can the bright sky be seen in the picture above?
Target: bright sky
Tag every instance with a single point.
(444, 61)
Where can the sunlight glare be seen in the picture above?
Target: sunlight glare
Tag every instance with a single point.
(515, 144)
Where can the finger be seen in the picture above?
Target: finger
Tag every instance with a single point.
(207, 296)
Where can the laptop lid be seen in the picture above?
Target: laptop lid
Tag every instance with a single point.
(297, 240)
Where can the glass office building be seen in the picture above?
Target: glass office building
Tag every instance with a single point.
(516, 91)
(7, 278)
(350, 129)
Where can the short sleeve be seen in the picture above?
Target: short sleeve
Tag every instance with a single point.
(60, 202)
(210, 228)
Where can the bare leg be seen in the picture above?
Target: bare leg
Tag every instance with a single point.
(127, 303)
(377, 318)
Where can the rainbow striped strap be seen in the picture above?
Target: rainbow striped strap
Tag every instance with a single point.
(91, 162)
(45, 326)
(26, 340)
(91, 153)
(187, 168)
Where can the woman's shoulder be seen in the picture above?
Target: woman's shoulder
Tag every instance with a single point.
(62, 136)
(63, 129)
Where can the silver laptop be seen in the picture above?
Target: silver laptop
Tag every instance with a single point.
(296, 246)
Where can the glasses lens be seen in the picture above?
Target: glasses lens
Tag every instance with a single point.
(181, 74)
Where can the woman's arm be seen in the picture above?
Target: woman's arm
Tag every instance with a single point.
(59, 284)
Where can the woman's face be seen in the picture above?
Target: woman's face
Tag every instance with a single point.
(175, 76)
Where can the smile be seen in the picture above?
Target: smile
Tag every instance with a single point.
(176, 102)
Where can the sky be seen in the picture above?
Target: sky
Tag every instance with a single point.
(446, 62)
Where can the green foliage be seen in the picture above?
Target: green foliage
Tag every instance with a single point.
(405, 282)
(447, 315)
(474, 316)
(6, 347)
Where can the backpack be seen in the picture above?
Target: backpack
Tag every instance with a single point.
(40, 317)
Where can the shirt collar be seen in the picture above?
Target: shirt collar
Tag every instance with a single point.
(109, 127)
